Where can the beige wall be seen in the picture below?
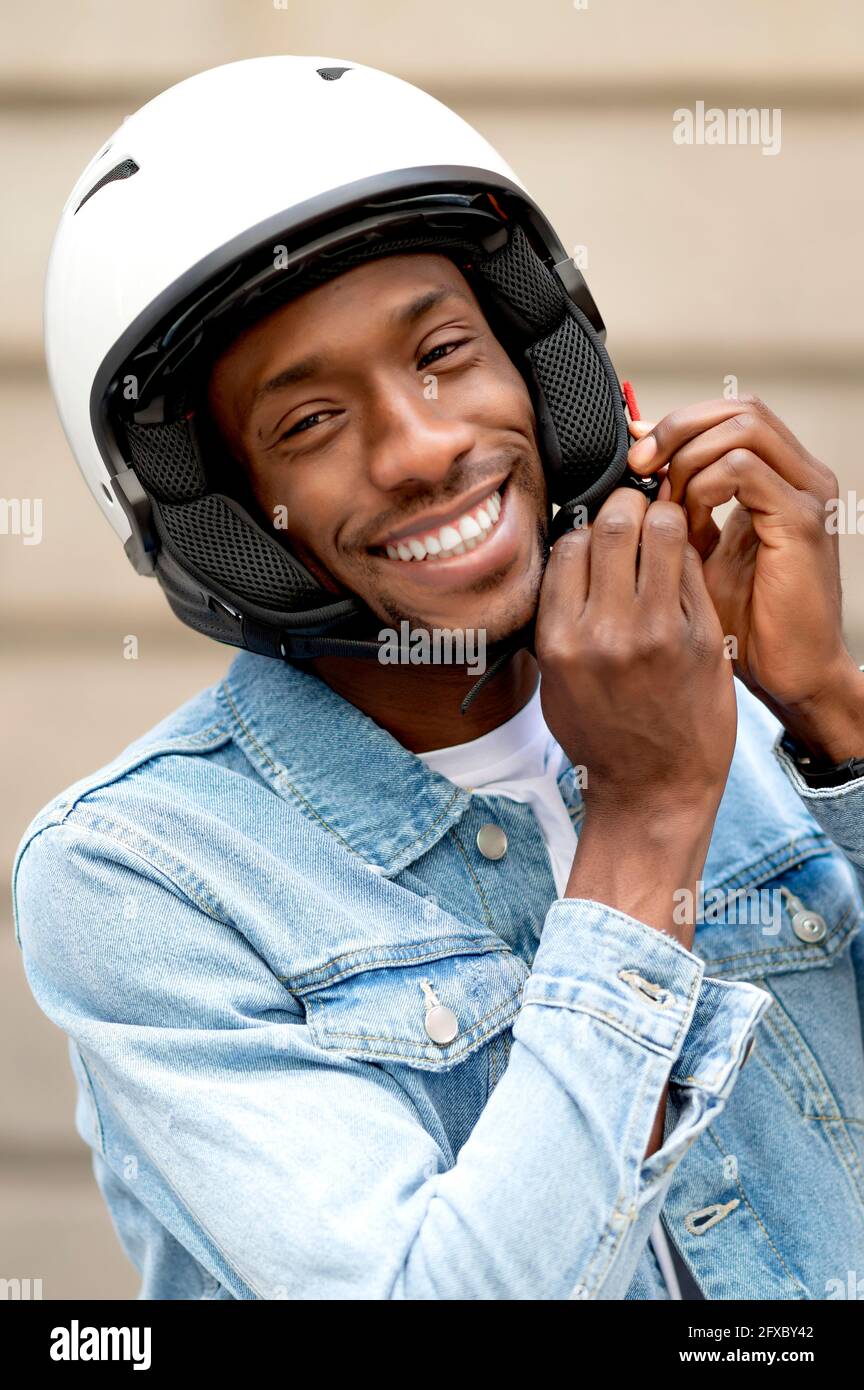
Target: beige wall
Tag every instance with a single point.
(706, 262)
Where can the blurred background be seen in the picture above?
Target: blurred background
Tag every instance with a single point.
(708, 262)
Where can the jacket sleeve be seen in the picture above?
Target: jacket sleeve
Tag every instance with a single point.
(838, 810)
(309, 1173)
(840, 813)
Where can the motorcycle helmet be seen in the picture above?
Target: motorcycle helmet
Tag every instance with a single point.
(220, 200)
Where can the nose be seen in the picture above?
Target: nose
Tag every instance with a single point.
(411, 439)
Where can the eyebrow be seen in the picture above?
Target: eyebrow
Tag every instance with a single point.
(402, 317)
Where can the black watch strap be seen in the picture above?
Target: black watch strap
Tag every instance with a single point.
(818, 772)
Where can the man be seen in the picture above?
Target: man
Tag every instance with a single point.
(370, 997)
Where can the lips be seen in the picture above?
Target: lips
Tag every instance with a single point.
(469, 562)
(456, 537)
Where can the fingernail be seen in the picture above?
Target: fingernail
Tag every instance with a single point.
(643, 451)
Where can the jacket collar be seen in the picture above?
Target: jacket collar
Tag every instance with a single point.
(343, 770)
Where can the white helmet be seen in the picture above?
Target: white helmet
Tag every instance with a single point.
(223, 198)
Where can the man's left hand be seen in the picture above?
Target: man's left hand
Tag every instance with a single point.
(773, 570)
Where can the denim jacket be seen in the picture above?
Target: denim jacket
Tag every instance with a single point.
(252, 925)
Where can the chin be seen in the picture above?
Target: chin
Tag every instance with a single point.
(499, 604)
(509, 625)
(498, 617)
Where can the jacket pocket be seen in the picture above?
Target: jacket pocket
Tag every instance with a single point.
(796, 940)
(429, 1005)
(796, 912)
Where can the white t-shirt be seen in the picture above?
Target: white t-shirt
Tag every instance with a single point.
(521, 759)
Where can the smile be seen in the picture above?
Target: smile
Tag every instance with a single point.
(465, 533)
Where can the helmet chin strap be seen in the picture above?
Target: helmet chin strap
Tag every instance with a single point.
(304, 647)
(506, 651)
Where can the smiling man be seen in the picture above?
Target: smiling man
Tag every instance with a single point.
(375, 989)
(417, 429)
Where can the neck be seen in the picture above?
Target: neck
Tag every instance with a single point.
(419, 705)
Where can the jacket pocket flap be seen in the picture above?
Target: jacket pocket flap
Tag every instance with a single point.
(796, 917)
(430, 1009)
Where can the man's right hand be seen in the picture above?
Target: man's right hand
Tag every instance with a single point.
(637, 688)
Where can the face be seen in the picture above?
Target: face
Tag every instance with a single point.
(391, 441)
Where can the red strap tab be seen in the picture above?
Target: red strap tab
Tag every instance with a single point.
(630, 398)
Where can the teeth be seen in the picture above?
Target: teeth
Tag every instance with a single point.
(468, 528)
(450, 539)
(455, 538)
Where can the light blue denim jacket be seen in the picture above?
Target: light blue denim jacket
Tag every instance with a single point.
(238, 923)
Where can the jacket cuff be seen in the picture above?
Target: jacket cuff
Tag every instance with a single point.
(717, 1046)
(597, 960)
(838, 810)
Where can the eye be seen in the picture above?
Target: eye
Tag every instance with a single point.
(440, 348)
(303, 424)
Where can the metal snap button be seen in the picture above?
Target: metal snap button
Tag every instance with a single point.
(491, 841)
(441, 1024)
(809, 926)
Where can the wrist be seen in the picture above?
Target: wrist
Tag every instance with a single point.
(671, 822)
(830, 725)
(642, 866)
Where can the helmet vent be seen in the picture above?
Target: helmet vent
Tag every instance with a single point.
(331, 74)
(124, 170)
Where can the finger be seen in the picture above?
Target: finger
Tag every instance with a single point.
(757, 405)
(615, 535)
(743, 431)
(680, 426)
(694, 596)
(640, 428)
(704, 533)
(661, 557)
(565, 580)
(675, 429)
(772, 502)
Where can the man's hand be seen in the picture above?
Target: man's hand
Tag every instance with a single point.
(773, 570)
(636, 688)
